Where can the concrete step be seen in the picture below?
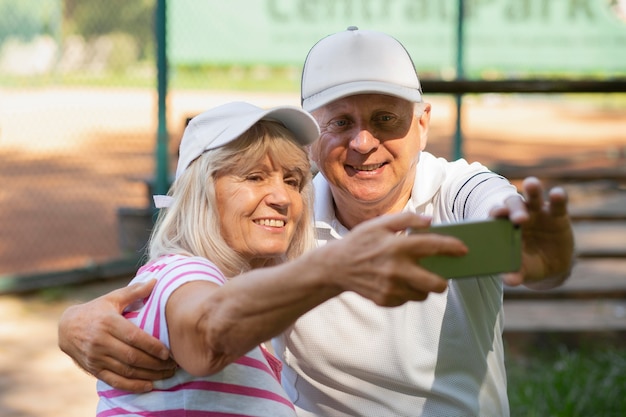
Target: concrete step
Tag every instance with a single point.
(592, 300)
(595, 238)
(591, 278)
(596, 315)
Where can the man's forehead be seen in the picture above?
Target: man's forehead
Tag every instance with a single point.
(367, 101)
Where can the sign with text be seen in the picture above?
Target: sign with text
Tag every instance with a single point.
(502, 37)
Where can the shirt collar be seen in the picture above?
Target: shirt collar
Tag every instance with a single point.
(429, 177)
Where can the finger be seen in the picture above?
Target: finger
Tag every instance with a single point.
(513, 279)
(533, 191)
(516, 209)
(499, 211)
(153, 351)
(134, 358)
(436, 283)
(402, 221)
(416, 284)
(424, 282)
(421, 245)
(158, 370)
(137, 386)
(126, 361)
(558, 202)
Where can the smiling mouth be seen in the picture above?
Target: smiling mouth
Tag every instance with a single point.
(371, 167)
(270, 222)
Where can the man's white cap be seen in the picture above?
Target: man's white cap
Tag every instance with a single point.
(221, 125)
(357, 62)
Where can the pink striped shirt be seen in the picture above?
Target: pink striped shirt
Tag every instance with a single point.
(248, 387)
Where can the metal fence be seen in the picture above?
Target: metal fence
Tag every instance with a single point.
(77, 129)
(79, 124)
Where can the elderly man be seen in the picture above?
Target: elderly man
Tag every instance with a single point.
(440, 356)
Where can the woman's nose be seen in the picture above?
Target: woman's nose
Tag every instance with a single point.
(278, 195)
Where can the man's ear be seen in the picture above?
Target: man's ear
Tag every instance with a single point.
(310, 150)
(312, 161)
(424, 122)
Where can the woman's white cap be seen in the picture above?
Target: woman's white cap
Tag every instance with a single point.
(221, 125)
(357, 62)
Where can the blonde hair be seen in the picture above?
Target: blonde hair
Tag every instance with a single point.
(191, 225)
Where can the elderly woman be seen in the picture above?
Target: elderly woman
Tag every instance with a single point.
(241, 200)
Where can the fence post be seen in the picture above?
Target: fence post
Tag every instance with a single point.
(458, 133)
(161, 184)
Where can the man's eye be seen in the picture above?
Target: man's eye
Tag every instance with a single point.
(385, 118)
(339, 123)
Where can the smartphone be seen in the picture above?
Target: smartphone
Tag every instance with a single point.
(494, 246)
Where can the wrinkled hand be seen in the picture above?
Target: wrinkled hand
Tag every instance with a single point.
(547, 236)
(114, 350)
(379, 260)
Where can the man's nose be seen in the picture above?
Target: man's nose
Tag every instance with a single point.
(364, 141)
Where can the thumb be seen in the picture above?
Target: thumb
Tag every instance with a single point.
(123, 297)
(400, 222)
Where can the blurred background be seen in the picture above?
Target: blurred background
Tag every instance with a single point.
(94, 97)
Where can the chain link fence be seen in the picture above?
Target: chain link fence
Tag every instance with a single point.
(78, 121)
(77, 130)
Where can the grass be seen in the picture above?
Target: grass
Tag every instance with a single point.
(224, 78)
(587, 382)
(250, 78)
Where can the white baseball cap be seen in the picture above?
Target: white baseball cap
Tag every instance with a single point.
(223, 124)
(357, 62)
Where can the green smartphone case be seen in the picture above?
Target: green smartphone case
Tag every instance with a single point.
(495, 246)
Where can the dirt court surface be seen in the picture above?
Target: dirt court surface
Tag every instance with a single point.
(36, 378)
(48, 146)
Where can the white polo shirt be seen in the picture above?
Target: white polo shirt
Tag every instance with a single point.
(440, 357)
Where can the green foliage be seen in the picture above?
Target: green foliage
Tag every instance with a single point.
(143, 74)
(25, 19)
(236, 78)
(585, 382)
(93, 18)
(125, 52)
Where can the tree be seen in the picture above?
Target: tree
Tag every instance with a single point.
(26, 19)
(93, 18)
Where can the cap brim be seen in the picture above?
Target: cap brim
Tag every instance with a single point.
(360, 87)
(303, 125)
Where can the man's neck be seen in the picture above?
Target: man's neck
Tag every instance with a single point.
(350, 212)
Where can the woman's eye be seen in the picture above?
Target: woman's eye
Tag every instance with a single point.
(293, 182)
(254, 177)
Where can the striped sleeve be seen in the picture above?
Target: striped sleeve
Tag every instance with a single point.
(151, 318)
(475, 195)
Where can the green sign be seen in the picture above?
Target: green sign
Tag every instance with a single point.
(502, 37)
